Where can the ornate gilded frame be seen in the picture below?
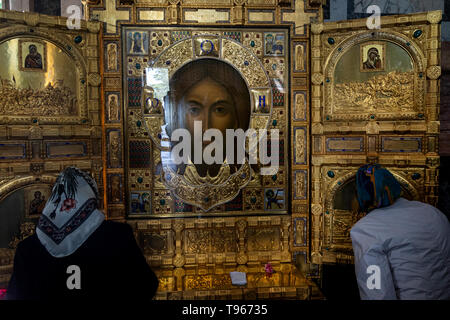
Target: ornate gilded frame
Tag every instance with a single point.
(250, 66)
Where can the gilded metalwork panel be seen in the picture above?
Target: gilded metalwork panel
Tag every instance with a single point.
(300, 102)
(389, 83)
(300, 185)
(344, 144)
(401, 144)
(157, 243)
(43, 93)
(300, 145)
(263, 239)
(300, 234)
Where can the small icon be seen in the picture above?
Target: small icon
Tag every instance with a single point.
(374, 21)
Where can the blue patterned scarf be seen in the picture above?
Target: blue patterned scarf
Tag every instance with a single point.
(70, 215)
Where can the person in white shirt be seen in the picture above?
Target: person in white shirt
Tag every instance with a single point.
(401, 247)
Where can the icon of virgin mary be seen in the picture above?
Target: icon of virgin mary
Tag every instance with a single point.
(34, 59)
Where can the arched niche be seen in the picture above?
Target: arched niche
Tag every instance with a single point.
(377, 75)
(341, 211)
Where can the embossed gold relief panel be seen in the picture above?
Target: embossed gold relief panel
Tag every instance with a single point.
(30, 87)
(374, 99)
(191, 242)
(161, 66)
(260, 40)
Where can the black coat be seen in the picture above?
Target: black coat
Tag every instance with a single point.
(111, 264)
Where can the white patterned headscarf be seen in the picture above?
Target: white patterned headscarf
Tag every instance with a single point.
(70, 215)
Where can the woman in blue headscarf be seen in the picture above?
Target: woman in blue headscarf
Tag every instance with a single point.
(401, 247)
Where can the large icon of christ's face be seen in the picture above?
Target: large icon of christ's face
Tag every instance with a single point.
(211, 92)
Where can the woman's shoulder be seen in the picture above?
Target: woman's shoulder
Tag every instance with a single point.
(117, 229)
(114, 225)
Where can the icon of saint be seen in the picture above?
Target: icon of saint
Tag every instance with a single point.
(112, 56)
(137, 42)
(113, 108)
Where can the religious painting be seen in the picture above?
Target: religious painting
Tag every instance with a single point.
(140, 202)
(373, 57)
(27, 89)
(32, 55)
(35, 200)
(384, 86)
(115, 188)
(113, 106)
(137, 42)
(274, 199)
(274, 44)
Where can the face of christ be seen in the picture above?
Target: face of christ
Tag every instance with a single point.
(211, 103)
(211, 94)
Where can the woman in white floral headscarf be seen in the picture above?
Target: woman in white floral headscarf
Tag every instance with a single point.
(75, 253)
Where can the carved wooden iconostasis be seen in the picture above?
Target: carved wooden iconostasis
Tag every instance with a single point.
(50, 116)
